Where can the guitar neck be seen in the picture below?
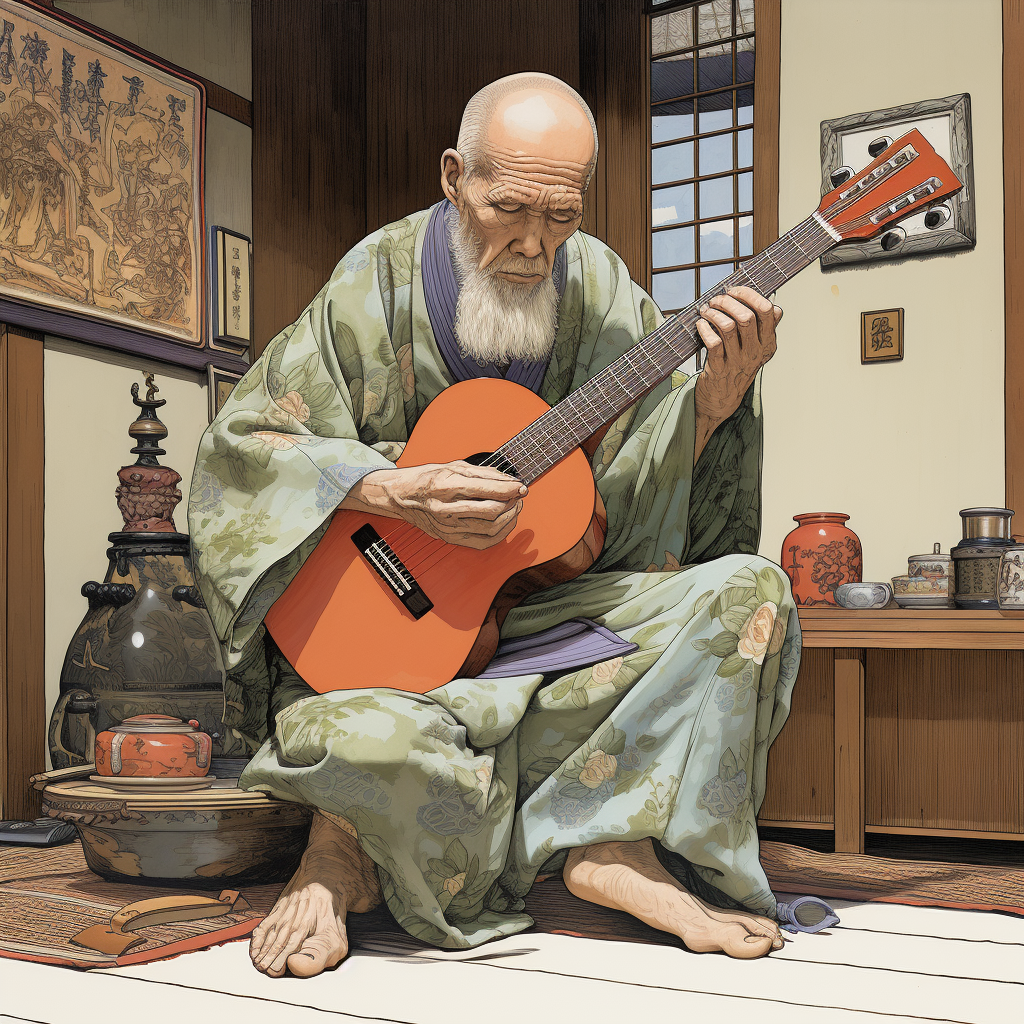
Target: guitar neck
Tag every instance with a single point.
(614, 389)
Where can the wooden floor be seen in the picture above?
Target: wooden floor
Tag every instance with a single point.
(882, 963)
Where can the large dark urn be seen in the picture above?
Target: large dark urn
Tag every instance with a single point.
(147, 644)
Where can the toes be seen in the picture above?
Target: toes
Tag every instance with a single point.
(291, 931)
(318, 953)
(751, 947)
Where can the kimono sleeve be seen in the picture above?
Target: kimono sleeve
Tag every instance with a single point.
(285, 450)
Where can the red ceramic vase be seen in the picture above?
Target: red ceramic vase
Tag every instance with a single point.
(820, 554)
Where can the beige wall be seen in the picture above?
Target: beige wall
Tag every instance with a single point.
(900, 446)
(87, 391)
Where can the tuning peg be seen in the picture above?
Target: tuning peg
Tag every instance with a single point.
(893, 239)
(876, 146)
(839, 175)
(936, 216)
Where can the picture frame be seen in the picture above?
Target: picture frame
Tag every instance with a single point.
(219, 383)
(101, 244)
(946, 124)
(229, 272)
(881, 336)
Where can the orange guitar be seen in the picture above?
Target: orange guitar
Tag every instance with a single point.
(380, 603)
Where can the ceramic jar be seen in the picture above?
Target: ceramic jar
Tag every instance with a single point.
(976, 559)
(819, 555)
(1010, 588)
(154, 746)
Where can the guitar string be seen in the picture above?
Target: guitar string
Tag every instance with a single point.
(750, 269)
(670, 333)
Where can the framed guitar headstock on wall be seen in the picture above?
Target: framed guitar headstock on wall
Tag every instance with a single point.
(849, 144)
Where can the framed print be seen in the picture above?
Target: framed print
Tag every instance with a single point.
(946, 124)
(881, 336)
(101, 185)
(230, 274)
(219, 384)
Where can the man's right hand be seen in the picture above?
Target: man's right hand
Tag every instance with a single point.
(475, 506)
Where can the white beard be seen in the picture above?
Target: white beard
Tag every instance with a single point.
(497, 321)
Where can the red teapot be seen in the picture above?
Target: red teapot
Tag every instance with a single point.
(154, 746)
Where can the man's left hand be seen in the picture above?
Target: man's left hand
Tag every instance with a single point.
(738, 332)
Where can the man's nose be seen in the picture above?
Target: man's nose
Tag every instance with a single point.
(528, 244)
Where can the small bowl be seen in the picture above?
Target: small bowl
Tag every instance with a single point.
(863, 595)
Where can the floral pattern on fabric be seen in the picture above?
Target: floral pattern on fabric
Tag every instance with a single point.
(461, 796)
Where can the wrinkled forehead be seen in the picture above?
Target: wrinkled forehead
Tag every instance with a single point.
(539, 147)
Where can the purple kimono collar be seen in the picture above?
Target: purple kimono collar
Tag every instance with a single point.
(441, 291)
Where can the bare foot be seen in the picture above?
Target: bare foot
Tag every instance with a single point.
(629, 877)
(305, 932)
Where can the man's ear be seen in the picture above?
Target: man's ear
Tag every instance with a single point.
(452, 169)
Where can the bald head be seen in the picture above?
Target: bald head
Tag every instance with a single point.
(530, 114)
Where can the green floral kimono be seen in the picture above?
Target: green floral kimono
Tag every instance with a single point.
(462, 795)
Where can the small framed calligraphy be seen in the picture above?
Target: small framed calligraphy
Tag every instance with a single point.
(231, 292)
(219, 384)
(881, 336)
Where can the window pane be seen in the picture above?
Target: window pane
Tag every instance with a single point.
(714, 69)
(718, 101)
(745, 146)
(711, 276)
(746, 192)
(674, 126)
(745, 66)
(671, 78)
(673, 290)
(714, 20)
(671, 32)
(746, 236)
(672, 163)
(745, 106)
(744, 15)
(716, 197)
(671, 248)
(712, 120)
(716, 154)
(716, 242)
(671, 205)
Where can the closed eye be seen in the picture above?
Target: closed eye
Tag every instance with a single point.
(508, 207)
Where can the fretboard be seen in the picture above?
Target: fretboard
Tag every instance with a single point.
(614, 389)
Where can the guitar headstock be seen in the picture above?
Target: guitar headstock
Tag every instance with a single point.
(904, 178)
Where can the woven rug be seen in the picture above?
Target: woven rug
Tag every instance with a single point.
(49, 895)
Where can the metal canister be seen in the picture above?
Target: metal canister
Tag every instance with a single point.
(986, 533)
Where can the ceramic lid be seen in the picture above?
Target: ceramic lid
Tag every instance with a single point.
(156, 723)
(936, 555)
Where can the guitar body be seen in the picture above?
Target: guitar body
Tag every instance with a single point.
(341, 626)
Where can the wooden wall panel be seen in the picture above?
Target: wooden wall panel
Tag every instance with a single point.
(615, 80)
(22, 684)
(945, 740)
(424, 61)
(768, 46)
(308, 141)
(800, 783)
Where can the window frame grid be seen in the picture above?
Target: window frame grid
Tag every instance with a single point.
(695, 180)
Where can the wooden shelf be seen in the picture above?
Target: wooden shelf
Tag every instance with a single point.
(913, 628)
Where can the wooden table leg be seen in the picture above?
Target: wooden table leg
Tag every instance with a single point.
(849, 751)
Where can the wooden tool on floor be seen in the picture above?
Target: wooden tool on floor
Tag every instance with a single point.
(118, 937)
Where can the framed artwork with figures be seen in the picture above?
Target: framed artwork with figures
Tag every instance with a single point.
(101, 187)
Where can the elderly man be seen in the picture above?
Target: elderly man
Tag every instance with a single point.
(638, 776)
